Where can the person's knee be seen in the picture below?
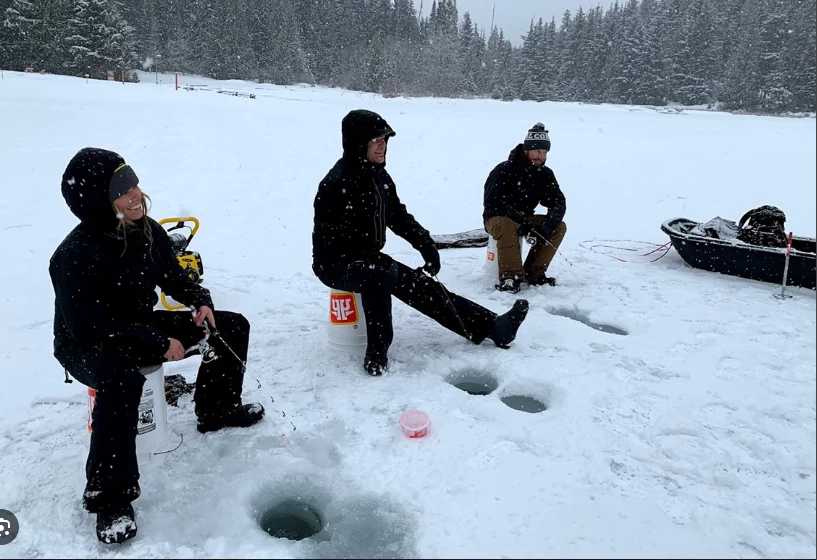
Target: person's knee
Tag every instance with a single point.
(502, 226)
(377, 278)
(229, 321)
(121, 376)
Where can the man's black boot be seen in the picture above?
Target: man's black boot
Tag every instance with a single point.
(375, 363)
(542, 280)
(506, 325)
(511, 285)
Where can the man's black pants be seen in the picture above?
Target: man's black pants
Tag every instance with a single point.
(111, 470)
(378, 281)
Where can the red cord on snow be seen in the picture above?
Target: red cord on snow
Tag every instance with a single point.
(602, 243)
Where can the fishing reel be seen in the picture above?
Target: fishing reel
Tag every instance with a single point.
(190, 261)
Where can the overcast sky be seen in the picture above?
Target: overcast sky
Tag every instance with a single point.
(514, 16)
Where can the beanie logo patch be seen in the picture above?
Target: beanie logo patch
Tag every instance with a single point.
(537, 136)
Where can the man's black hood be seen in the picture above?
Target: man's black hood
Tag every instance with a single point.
(86, 186)
(518, 157)
(358, 128)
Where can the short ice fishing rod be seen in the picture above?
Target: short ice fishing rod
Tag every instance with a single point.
(204, 348)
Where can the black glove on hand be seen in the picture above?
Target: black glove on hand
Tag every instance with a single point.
(431, 259)
(525, 228)
(544, 232)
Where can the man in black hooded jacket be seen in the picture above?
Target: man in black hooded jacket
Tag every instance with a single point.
(355, 203)
(513, 190)
(105, 274)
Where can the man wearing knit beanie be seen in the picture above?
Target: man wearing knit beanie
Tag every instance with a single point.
(513, 190)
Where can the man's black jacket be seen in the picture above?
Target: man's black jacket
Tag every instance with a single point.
(357, 201)
(516, 187)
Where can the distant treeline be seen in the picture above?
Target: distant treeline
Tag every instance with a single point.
(749, 55)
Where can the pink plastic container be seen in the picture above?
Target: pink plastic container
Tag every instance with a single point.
(414, 423)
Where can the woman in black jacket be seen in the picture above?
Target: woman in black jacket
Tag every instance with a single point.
(105, 274)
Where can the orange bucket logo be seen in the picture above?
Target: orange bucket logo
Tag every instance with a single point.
(91, 404)
(343, 309)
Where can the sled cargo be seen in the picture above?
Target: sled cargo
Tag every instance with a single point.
(736, 258)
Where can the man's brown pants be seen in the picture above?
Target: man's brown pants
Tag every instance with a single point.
(509, 250)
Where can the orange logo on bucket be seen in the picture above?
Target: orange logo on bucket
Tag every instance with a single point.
(91, 404)
(343, 309)
(491, 256)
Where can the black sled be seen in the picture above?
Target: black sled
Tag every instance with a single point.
(700, 247)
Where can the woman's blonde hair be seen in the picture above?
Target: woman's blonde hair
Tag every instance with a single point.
(125, 224)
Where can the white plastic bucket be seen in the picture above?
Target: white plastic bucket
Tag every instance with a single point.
(346, 330)
(492, 258)
(152, 433)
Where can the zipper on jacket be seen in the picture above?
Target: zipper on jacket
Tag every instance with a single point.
(379, 212)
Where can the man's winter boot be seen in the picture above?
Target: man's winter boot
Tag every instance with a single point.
(375, 364)
(542, 280)
(116, 525)
(243, 416)
(506, 325)
(511, 285)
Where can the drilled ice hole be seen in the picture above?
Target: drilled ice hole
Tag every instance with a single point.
(291, 519)
(474, 382)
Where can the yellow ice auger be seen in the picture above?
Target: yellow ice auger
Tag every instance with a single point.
(190, 261)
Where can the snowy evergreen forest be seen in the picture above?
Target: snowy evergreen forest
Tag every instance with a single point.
(746, 55)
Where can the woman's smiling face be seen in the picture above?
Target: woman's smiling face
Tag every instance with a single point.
(130, 204)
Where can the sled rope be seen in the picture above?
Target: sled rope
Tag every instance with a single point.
(602, 243)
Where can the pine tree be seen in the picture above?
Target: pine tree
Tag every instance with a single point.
(801, 55)
(547, 61)
(500, 54)
(275, 41)
(565, 46)
(442, 63)
(405, 54)
(227, 51)
(775, 97)
(597, 51)
(18, 19)
(621, 71)
(526, 76)
(99, 40)
(470, 61)
(650, 82)
(756, 78)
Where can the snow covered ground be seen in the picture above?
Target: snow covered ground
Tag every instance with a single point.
(691, 436)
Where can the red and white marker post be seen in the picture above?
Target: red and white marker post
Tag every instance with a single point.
(782, 294)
